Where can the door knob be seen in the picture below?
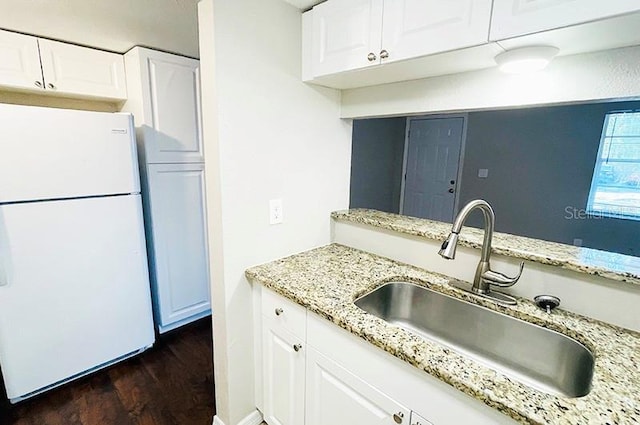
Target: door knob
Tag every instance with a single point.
(384, 54)
(371, 57)
(279, 311)
(451, 190)
(297, 347)
(38, 84)
(51, 86)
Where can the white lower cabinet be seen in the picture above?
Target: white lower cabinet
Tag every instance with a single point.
(176, 224)
(346, 380)
(418, 420)
(284, 376)
(42, 66)
(336, 396)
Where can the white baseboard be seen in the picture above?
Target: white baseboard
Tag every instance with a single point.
(254, 418)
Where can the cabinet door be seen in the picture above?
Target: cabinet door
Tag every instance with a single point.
(172, 106)
(346, 35)
(335, 396)
(284, 376)
(418, 420)
(19, 61)
(415, 28)
(81, 71)
(512, 18)
(178, 226)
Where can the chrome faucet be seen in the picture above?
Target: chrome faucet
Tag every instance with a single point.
(484, 277)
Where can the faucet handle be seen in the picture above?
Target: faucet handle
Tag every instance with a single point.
(500, 279)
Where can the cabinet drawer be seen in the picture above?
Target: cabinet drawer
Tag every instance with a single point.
(279, 311)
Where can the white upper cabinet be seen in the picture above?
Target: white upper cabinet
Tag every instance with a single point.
(512, 18)
(165, 100)
(413, 28)
(174, 84)
(355, 34)
(19, 61)
(358, 43)
(81, 71)
(54, 68)
(346, 35)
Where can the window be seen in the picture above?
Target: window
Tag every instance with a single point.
(615, 187)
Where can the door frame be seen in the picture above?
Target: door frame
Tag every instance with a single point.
(463, 144)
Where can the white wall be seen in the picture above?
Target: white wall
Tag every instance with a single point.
(267, 135)
(612, 74)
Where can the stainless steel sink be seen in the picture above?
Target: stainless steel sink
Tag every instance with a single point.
(538, 357)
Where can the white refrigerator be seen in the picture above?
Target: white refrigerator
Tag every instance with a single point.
(74, 283)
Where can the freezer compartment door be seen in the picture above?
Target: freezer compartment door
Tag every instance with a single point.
(48, 153)
(74, 288)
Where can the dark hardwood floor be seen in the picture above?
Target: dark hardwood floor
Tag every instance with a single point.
(170, 384)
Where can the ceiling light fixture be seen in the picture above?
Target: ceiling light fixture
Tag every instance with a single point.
(526, 59)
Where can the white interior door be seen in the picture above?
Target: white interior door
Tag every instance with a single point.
(48, 153)
(345, 33)
(20, 61)
(431, 168)
(415, 28)
(74, 288)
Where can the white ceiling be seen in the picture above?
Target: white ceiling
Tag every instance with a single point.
(116, 25)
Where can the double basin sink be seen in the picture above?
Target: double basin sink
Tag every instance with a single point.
(535, 356)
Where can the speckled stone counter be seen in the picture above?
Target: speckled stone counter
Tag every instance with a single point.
(327, 280)
(623, 268)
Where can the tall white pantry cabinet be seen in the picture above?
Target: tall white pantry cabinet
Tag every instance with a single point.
(164, 97)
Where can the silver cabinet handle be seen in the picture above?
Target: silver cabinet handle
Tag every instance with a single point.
(384, 54)
(39, 84)
(371, 57)
(51, 86)
(297, 347)
(279, 311)
(397, 417)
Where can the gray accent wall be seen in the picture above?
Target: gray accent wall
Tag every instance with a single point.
(376, 163)
(540, 163)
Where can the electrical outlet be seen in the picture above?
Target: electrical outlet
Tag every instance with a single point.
(483, 173)
(275, 211)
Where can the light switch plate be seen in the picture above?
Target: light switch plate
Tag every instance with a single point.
(483, 173)
(275, 211)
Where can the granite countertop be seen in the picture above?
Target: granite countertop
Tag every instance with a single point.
(327, 280)
(623, 268)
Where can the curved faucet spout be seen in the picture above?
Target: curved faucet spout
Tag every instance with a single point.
(484, 276)
(489, 223)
